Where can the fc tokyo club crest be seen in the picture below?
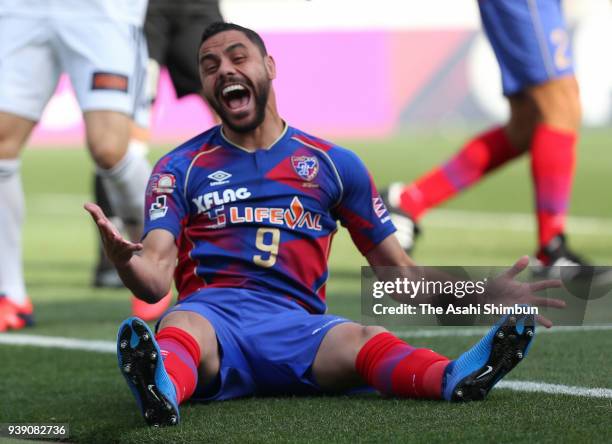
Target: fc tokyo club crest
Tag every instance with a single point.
(306, 167)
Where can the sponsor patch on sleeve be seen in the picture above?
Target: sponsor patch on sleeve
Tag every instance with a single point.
(159, 208)
(109, 81)
(380, 209)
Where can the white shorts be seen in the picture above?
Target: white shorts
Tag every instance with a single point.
(102, 57)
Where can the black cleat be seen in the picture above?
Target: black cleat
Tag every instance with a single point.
(557, 261)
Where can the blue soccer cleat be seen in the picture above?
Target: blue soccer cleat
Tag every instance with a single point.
(142, 365)
(475, 372)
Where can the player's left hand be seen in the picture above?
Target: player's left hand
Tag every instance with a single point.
(505, 289)
(118, 249)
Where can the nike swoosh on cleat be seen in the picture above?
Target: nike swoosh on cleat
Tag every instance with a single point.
(486, 372)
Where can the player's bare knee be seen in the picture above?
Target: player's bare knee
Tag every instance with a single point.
(107, 153)
(14, 132)
(558, 102)
(334, 365)
(8, 149)
(368, 332)
(202, 331)
(355, 337)
(108, 135)
(524, 116)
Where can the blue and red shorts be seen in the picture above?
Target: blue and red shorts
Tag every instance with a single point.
(267, 344)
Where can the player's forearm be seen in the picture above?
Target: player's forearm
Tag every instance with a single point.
(149, 280)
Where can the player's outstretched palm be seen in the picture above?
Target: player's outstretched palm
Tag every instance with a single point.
(118, 249)
(507, 290)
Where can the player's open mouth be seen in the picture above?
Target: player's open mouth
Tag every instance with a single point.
(236, 96)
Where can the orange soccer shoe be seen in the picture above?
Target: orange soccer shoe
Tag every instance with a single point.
(13, 316)
(150, 312)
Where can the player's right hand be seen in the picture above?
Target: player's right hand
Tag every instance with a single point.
(118, 249)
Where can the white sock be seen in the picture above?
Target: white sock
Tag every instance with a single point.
(125, 185)
(140, 146)
(12, 214)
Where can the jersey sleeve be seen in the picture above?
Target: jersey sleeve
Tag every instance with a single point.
(165, 204)
(360, 209)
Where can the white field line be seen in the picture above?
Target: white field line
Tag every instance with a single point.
(59, 342)
(520, 222)
(554, 389)
(60, 203)
(480, 331)
(101, 346)
(520, 386)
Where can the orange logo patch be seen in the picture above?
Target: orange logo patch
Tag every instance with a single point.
(109, 81)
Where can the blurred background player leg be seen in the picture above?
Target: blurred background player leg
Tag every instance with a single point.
(15, 307)
(105, 274)
(25, 43)
(97, 43)
(107, 71)
(532, 46)
(173, 30)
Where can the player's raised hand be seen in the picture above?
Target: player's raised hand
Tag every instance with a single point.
(118, 249)
(507, 290)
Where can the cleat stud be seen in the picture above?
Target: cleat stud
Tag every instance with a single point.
(127, 368)
(146, 337)
(153, 356)
(459, 393)
(500, 334)
(123, 345)
(519, 355)
(148, 413)
(156, 425)
(529, 332)
(173, 420)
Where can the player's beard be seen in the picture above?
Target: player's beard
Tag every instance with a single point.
(261, 90)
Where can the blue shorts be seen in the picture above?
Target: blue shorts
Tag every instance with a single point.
(530, 40)
(267, 344)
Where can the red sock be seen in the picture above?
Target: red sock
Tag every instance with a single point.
(393, 367)
(553, 159)
(181, 355)
(478, 157)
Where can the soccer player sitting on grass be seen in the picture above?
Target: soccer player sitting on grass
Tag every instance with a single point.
(242, 216)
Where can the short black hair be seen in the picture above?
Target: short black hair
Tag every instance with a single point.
(218, 27)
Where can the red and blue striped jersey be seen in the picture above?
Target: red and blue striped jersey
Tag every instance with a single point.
(262, 220)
